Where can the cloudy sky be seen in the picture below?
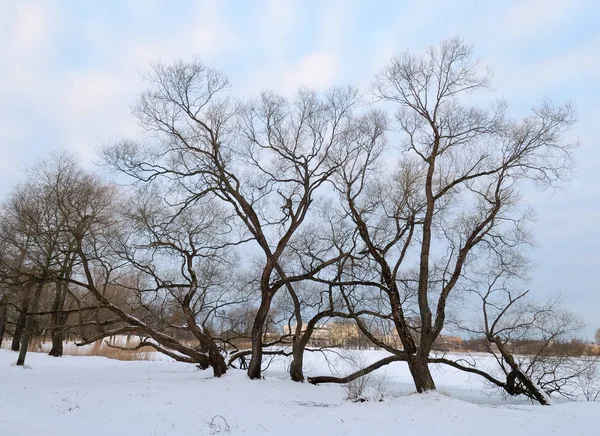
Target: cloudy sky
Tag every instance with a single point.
(69, 69)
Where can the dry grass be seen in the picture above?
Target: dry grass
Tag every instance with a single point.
(98, 348)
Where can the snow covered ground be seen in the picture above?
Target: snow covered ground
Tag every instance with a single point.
(96, 396)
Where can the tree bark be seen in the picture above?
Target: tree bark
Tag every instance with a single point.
(217, 362)
(296, 372)
(528, 385)
(419, 369)
(21, 322)
(57, 343)
(421, 374)
(57, 335)
(361, 372)
(29, 324)
(3, 310)
(58, 318)
(301, 339)
(255, 366)
(207, 343)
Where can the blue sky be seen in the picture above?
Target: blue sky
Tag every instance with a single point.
(69, 70)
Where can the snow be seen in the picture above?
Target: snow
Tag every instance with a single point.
(98, 396)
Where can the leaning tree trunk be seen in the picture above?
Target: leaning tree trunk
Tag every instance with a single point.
(21, 322)
(255, 365)
(29, 325)
(208, 345)
(211, 351)
(528, 385)
(360, 373)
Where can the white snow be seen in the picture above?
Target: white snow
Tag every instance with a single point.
(96, 396)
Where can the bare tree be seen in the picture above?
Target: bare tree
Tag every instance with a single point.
(123, 268)
(29, 224)
(132, 253)
(532, 343)
(454, 190)
(266, 159)
(222, 220)
(38, 255)
(183, 257)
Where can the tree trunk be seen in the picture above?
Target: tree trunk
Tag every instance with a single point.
(207, 344)
(419, 369)
(57, 319)
(255, 366)
(530, 387)
(29, 324)
(297, 364)
(299, 341)
(58, 336)
(57, 343)
(217, 362)
(3, 310)
(21, 322)
(25, 339)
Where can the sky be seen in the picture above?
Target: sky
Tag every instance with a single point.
(70, 69)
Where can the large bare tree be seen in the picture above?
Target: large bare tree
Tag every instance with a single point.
(454, 192)
(265, 159)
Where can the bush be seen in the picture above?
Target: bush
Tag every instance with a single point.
(367, 388)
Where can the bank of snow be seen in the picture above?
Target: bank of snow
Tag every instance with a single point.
(98, 396)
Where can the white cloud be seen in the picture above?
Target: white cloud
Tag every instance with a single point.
(31, 25)
(85, 91)
(93, 110)
(573, 72)
(275, 27)
(209, 34)
(28, 32)
(530, 17)
(318, 64)
(315, 70)
(579, 64)
(84, 107)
